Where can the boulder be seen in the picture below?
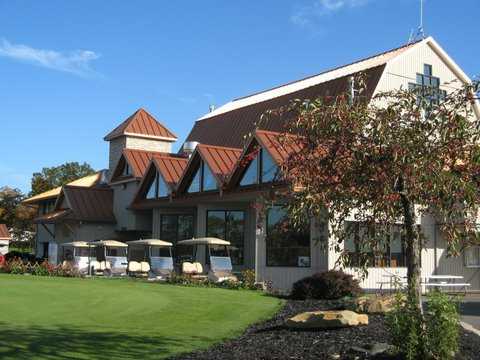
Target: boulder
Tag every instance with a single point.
(326, 320)
(374, 304)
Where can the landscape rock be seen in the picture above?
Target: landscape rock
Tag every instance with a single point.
(374, 304)
(374, 349)
(326, 320)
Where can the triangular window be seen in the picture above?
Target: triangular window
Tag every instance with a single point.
(251, 175)
(126, 170)
(208, 181)
(152, 190)
(195, 184)
(262, 169)
(158, 188)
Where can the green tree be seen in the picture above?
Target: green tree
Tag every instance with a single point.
(392, 158)
(14, 214)
(52, 177)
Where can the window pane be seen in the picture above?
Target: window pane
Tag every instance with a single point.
(235, 234)
(472, 256)
(427, 69)
(269, 168)
(168, 228)
(209, 182)
(162, 187)
(286, 246)
(216, 224)
(156, 251)
(152, 191)
(250, 176)
(185, 227)
(116, 251)
(195, 184)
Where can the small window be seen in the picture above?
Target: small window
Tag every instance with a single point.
(162, 187)
(251, 175)
(427, 69)
(195, 184)
(269, 168)
(472, 256)
(152, 191)
(126, 170)
(208, 181)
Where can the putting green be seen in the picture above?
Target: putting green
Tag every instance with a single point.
(63, 318)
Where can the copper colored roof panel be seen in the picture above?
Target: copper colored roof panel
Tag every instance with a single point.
(4, 234)
(141, 123)
(90, 204)
(52, 217)
(279, 150)
(139, 160)
(221, 160)
(171, 167)
(229, 128)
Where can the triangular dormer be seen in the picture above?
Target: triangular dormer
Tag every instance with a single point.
(262, 159)
(161, 177)
(208, 168)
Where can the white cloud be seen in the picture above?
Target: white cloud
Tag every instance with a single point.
(305, 15)
(76, 62)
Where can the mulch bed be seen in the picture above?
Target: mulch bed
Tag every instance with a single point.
(271, 341)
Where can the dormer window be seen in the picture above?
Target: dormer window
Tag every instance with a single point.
(126, 170)
(262, 169)
(157, 189)
(203, 180)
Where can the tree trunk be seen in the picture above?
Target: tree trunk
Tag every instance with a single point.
(412, 254)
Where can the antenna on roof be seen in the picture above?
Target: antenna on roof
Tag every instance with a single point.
(420, 34)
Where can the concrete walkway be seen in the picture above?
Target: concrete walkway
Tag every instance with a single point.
(470, 310)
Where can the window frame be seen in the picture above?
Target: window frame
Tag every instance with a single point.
(225, 230)
(474, 266)
(156, 182)
(387, 255)
(259, 158)
(287, 266)
(201, 170)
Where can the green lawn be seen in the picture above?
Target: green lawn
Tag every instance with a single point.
(62, 318)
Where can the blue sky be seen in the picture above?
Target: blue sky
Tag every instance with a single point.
(70, 71)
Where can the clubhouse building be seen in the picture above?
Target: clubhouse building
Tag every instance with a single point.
(215, 185)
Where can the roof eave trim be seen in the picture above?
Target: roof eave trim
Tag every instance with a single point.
(142, 136)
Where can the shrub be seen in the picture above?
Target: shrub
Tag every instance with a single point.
(248, 280)
(442, 325)
(433, 335)
(329, 285)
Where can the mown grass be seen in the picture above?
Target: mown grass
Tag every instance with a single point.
(70, 318)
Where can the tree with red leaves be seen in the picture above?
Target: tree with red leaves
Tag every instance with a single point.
(388, 160)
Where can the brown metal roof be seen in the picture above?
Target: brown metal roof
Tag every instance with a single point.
(4, 234)
(141, 123)
(229, 129)
(52, 217)
(279, 150)
(171, 167)
(90, 204)
(138, 160)
(219, 159)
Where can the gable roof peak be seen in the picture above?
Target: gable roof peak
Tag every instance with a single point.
(142, 124)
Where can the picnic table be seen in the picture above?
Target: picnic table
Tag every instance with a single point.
(447, 282)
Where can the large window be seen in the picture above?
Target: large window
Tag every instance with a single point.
(262, 169)
(472, 256)
(286, 245)
(174, 228)
(428, 86)
(158, 188)
(230, 226)
(203, 180)
(376, 249)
